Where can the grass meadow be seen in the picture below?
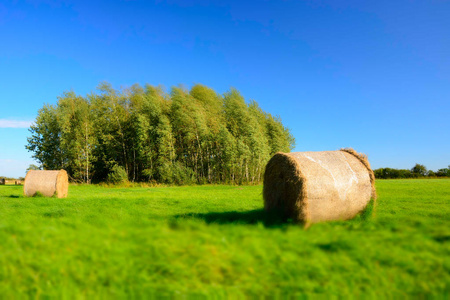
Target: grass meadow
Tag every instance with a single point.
(216, 241)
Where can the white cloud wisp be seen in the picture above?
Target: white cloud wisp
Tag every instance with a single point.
(5, 123)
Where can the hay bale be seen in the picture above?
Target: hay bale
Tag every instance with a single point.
(48, 183)
(310, 187)
(2, 181)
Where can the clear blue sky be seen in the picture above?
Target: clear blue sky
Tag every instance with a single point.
(372, 75)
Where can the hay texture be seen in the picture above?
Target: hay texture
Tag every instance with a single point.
(48, 183)
(311, 187)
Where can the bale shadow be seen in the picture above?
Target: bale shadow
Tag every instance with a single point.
(252, 217)
(12, 196)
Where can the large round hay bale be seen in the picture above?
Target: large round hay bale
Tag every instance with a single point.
(48, 183)
(318, 186)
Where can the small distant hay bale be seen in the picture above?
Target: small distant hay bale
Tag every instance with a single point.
(18, 182)
(311, 187)
(2, 181)
(47, 183)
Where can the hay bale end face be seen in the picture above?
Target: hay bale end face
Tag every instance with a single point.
(311, 187)
(48, 183)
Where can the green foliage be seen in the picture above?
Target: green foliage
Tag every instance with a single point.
(32, 167)
(389, 173)
(117, 175)
(418, 171)
(45, 139)
(75, 121)
(177, 174)
(183, 137)
(443, 172)
(217, 241)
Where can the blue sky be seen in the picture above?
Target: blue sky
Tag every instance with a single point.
(372, 75)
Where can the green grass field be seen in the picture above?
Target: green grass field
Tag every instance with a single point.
(217, 241)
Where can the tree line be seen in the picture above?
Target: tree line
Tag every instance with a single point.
(143, 133)
(418, 171)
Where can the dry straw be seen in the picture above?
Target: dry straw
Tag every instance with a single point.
(47, 183)
(311, 187)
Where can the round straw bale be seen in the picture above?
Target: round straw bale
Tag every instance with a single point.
(48, 183)
(2, 181)
(310, 187)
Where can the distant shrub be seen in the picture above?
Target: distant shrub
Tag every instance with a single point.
(176, 173)
(418, 171)
(117, 175)
(443, 172)
(182, 174)
(385, 173)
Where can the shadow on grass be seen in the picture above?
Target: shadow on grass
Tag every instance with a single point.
(273, 219)
(252, 217)
(12, 196)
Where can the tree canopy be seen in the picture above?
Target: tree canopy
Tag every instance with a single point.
(184, 136)
(418, 171)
